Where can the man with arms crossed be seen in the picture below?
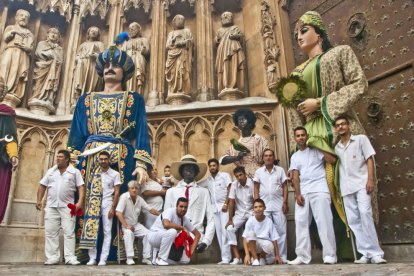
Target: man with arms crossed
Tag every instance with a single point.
(61, 182)
(307, 167)
(357, 176)
(218, 184)
(270, 184)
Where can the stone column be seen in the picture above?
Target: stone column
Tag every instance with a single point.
(157, 60)
(114, 21)
(204, 45)
(64, 105)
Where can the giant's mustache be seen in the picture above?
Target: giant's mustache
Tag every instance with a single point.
(110, 71)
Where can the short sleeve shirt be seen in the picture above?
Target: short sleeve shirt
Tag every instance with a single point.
(264, 229)
(311, 166)
(61, 188)
(110, 179)
(243, 195)
(155, 202)
(353, 168)
(217, 186)
(131, 210)
(171, 215)
(271, 186)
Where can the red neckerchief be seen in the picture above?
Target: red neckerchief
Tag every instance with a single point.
(184, 239)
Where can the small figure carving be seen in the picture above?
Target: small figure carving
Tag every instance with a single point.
(137, 47)
(15, 61)
(178, 65)
(49, 59)
(230, 59)
(85, 77)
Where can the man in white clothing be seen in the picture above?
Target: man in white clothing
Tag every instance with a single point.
(270, 184)
(111, 183)
(153, 193)
(218, 184)
(189, 171)
(357, 176)
(307, 167)
(127, 211)
(165, 229)
(61, 182)
(240, 208)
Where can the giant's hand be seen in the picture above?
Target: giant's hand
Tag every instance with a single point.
(142, 175)
(308, 106)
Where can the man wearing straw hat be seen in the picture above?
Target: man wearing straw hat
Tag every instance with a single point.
(188, 171)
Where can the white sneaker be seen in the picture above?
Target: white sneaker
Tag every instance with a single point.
(51, 262)
(329, 260)
(146, 261)
(236, 261)
(262, 261)
(255, 262)
(130, 261)
(296, 261)
(161, 262)
(73, 262)
(363, 260)
(378, 260)
(91, 262)
(102, 262)
(223, 263)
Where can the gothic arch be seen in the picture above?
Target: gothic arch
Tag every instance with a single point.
(219, 125)
(58, 139)
(189, 128)
(161, 130)
(26, 136)
(267, 124)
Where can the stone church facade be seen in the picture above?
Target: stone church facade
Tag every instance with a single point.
(195, 118)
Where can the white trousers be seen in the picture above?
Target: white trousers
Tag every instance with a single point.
(359, 214)
(55, 218)
(149, 219)
(279, 220)
(141, 232)
(107, 233)
(220, 221)
(318, 205)
(262, 245)
(238, 222)
(163, 240)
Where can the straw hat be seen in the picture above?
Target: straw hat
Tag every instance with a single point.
(188, 159)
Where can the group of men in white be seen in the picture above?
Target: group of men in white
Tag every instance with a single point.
(258, 205)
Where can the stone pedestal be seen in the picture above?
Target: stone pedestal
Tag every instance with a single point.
(153, 98)
(178, 99)
(230, 94)
(40, 107)
(11, 100)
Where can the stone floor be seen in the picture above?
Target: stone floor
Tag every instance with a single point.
(210, 269)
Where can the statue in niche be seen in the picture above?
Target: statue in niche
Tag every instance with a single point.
(178, 64)
(137, 47)
(85, 77)
(15, 61)
(230, 59)
(48, 66)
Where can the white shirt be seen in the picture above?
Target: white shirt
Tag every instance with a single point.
(217, 186)
(264, 229)
(129, 210)
(155, 202)
(311, 166)
(110, 179)
(353, 168)
(271, 186)
(243, 195)
(171, 215)
(61, 188)
(167, 183)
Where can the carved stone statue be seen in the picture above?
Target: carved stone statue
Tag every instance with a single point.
(138, 49)
(230, 59)
(178, 64)
(15, 61)
(49, 59)
(85, 77)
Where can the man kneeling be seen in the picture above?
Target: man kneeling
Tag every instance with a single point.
(260, 236)
(127, 211)
(170, 226)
